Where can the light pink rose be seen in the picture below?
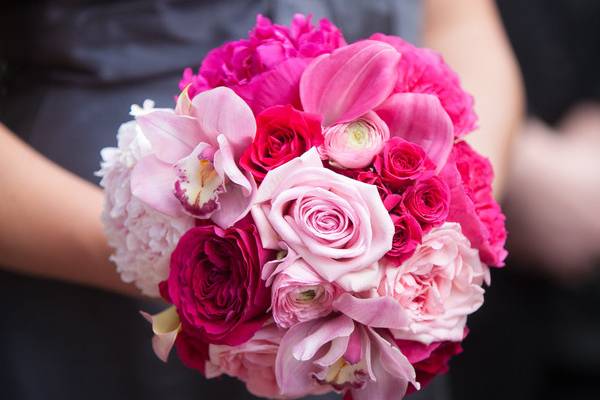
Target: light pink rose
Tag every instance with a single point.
(438, 286)
(253, 362)
(338, 225)
(298, 294)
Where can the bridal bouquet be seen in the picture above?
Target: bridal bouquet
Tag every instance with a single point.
(311, 211)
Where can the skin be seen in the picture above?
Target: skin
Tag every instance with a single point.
(469, 34)
(58, 234)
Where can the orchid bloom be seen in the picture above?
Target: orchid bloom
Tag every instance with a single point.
(337, 353)
(193, 165)
(351, 87)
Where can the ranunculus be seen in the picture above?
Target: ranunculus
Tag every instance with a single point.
(215, 282)
(354, 144)
(265, 68)
(252, 362)
(338, 353)
(282, 134)
(489, 235)
(402, 163)
(298, 294)
(428, 201)
(428, 360)
(438, 286)
(423, 71)
(338, 225)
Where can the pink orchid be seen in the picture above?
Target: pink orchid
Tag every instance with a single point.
(195, 150)
(346, 86)
(337, 353)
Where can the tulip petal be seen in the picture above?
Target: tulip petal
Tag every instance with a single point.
(421, 119)
(172, 136)
(152, 182)
(352, 80)
(166, 326)
(377, 312)
(221, 111)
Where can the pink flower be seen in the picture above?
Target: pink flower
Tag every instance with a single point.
(265, 68)
(401, 163)
(192, 166)
(428, 360)
(428, 201)
(192, 351)
(438, 286)
(489, 235)
(337, 353)
(336, 224)
(253, 362)
(407, 237)
(283, 133)
(215, 283)
(423, 71)
(298, 295)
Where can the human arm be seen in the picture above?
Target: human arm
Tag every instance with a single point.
(50, 223)
(469, 34)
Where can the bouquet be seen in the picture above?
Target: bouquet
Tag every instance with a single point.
(311, 211)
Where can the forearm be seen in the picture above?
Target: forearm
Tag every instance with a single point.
(470, 36)
(50, 220)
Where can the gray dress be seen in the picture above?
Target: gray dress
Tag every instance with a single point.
(69, 70)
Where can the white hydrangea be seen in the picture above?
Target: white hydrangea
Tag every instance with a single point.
(142, 237)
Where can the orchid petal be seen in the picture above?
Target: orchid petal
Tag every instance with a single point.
(352, 80)
(421, 119)
(235, 203)
(166, 326)
(152, 182)
(172, 136)
(376, 312)
(221, 111)
(326, 332)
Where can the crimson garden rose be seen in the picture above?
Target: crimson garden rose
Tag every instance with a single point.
(283, 133)
(215, 283)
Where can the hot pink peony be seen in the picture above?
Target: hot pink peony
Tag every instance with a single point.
(438, 286)
(215, 283)
(253, 361)
(338, 225)
(265, 68)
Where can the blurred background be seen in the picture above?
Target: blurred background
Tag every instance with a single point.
(538, 334)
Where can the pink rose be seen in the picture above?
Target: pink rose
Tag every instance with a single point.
(282, 133)
(338, 225)
(402, 163)
(428, 201)
(337, 353)
(298, 295)
(438, 286)
(265, 69)
(407, 237)
(253, 362)
(428, 360)
(424, 71)
(215, 283)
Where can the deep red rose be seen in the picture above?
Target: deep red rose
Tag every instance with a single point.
(428, 201)
(192, 351)
(215, 282)
(401, 163)
(428, 360)
(282, 134)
